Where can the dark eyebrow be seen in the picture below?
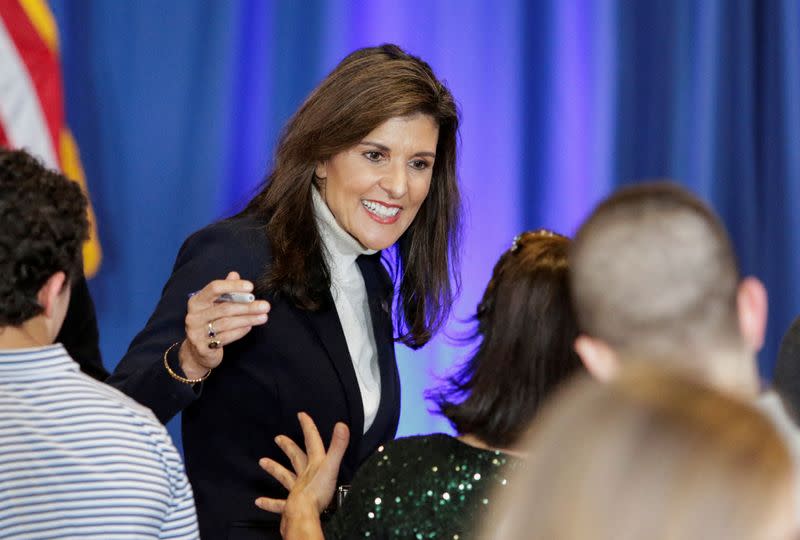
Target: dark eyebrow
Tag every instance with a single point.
(385, 148)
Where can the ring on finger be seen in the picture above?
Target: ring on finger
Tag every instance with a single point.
(214, 344)
(211, 332)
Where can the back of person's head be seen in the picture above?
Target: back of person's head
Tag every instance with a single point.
(43, 225)
(652, 270)
(526, 329)
(654, 275)
(650, 455)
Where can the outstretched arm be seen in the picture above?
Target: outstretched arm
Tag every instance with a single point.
(312, 484)
(202, 264)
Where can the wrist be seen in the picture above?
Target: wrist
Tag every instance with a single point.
(190, 367)
(302, 507)
(305, 528)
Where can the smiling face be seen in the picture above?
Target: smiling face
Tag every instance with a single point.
(375, 188)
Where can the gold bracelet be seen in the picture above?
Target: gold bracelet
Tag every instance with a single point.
(178, 377)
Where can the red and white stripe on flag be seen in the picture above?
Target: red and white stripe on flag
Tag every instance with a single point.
(32, 100)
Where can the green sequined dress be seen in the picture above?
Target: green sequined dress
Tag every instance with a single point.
(431, 486)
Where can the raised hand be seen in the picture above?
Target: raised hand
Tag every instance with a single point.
(211, 325)
(312, 483)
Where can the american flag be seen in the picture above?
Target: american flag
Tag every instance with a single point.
(32, 98)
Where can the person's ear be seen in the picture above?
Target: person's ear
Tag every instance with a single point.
(321, 171)
(752, 306)
(50, 293)
(597, 357)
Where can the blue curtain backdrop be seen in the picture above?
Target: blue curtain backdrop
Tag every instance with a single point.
(177, 105)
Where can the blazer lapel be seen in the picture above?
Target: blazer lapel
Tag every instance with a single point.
(379, 290)
(325, 323)
(327, 326)
(379, 295)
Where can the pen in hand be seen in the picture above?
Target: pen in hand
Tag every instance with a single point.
(235, 297)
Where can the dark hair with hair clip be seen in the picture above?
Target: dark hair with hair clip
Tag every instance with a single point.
(527, 329)
(43, 224)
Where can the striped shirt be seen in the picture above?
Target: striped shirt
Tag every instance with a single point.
(78, 459)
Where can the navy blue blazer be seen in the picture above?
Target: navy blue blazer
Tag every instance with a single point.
(297, 361)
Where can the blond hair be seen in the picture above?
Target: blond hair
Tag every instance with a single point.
(651, 455)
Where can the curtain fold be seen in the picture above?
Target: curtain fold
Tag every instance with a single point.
(177, 106)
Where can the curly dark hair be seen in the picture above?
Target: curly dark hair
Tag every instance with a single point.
(43, 225)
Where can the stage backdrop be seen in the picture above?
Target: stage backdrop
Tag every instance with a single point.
(176, 107)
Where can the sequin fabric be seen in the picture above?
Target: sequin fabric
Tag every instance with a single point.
(431, 486)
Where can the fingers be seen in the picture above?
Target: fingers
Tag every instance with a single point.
(223, 324)
(293, 452)
(314, 446)
(227, 325)
(214, 289)
(271, 505)
(211, 326)
(226, 316)
(339, 441)
(211, 311)
(278, 472)
(315, 473)
(330, 466)
(225, 330)
(227, 338)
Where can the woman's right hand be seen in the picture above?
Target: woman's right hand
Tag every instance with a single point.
(211, 325)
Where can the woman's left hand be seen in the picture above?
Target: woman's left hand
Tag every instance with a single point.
(312, 484)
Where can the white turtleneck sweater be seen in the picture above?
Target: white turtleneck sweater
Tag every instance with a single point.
(350, 297)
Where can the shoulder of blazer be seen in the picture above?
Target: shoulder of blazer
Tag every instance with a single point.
(240, 240)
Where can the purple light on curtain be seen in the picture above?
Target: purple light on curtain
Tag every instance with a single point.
(474, 48)
(249, 144)
(581, 120)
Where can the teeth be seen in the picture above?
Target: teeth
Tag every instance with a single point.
(380, 210)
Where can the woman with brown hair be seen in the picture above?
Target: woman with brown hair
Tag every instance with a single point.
(366, 166)
(650, 455)
(436, 486)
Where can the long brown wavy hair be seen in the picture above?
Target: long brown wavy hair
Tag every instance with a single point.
(367, 88)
